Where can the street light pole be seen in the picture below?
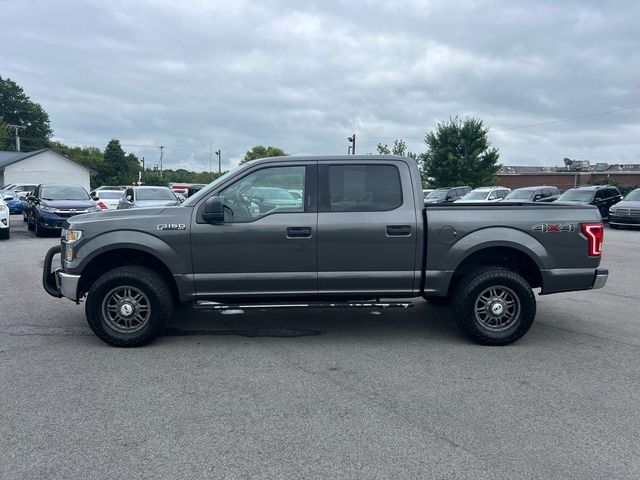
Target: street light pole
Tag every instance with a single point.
(219, 154)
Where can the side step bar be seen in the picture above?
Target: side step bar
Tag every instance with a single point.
(208, 305)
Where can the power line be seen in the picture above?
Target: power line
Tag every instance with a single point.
(568, 119)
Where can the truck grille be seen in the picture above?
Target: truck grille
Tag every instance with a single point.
(70, 212)
(628, 211)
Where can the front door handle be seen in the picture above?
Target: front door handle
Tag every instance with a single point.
(298, 232)
(398, 230)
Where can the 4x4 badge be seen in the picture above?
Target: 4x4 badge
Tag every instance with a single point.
(554, 227)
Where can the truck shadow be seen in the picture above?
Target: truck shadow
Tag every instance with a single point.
(423, 320)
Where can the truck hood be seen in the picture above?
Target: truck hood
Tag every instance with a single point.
(154, 203)
(119, 216)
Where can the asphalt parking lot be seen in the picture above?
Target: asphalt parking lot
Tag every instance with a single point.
(321, 394)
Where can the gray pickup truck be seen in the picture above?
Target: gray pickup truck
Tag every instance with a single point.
(331, 232)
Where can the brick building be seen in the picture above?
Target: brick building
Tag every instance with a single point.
(570, 176)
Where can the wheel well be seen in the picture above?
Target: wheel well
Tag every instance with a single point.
(507, 257)
(124, 256)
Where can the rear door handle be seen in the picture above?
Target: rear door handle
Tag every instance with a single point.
(398, 230)
(298, 232)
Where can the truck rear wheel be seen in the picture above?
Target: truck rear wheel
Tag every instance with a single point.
(494, 306)
(129, 306)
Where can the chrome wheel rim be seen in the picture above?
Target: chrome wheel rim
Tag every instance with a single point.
(497, 308)
(126, 309)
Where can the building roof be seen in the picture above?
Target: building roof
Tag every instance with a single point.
(8, 157)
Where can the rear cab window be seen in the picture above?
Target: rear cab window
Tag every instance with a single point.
(361, 188)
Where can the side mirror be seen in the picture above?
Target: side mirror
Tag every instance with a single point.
(213, 210)
(94, 197)
(129, 198)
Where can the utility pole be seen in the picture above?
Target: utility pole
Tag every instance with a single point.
(161, 152)
(352, 147)
(141, 173)
(16, 131)
(219, 154)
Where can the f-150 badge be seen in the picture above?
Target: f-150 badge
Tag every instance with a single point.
(171, 226)
(554, 227)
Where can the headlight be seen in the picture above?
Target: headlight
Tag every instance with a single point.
(44, 208)
(70, 238)
(71, 235)
(613, 209)
(2, 206)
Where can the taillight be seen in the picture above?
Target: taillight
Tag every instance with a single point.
(595, 234)
(102, 206)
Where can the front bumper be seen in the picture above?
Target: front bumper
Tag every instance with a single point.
(58, 283)
(624, 220)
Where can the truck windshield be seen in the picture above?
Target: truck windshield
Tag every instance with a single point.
(160, 193)
(437, 194)
(520, 195)
(633, 196)
(475, 195)
(576, 196)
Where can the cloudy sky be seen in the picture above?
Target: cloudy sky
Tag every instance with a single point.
(305, 75)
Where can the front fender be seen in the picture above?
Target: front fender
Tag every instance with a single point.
(176, 258)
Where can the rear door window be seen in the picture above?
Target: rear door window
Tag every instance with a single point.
(362, 188)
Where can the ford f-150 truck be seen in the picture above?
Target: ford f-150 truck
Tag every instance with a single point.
(357, 234)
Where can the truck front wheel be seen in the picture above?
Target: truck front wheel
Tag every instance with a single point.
(494, 306)
(129, 306)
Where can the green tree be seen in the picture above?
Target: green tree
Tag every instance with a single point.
(260, 151)
(459, 153)
(5, 136)
(119, 168)
(399, 148)
(16, 108)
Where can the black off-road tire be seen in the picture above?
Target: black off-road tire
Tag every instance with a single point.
(5, 233)
(147, 281)
(30, 225)
(433, 300)
(467, 294)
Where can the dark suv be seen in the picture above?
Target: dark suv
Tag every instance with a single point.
(542, 193)
(446, 195)
(602, 196)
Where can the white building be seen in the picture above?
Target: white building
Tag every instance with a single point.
(41, 166)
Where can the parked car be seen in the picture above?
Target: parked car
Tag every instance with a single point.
(426, 192)
(51, 205)
(362, 234)
(601, 196)
(136, 197)
(107, 199)
(5, 220)
(542, 193)
(484, 194)
(446, 195)
(13, 201)
(269, 199)
(23, 189)
(627, 212)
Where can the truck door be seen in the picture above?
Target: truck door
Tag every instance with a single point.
(267, 242)
(366, 228)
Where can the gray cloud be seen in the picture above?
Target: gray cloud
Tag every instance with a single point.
(304, 75)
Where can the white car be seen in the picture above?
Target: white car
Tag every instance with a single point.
(23, 189)
(5, 222)
(485, 194)
(107, 199)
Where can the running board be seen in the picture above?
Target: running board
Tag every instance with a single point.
(208, 305)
